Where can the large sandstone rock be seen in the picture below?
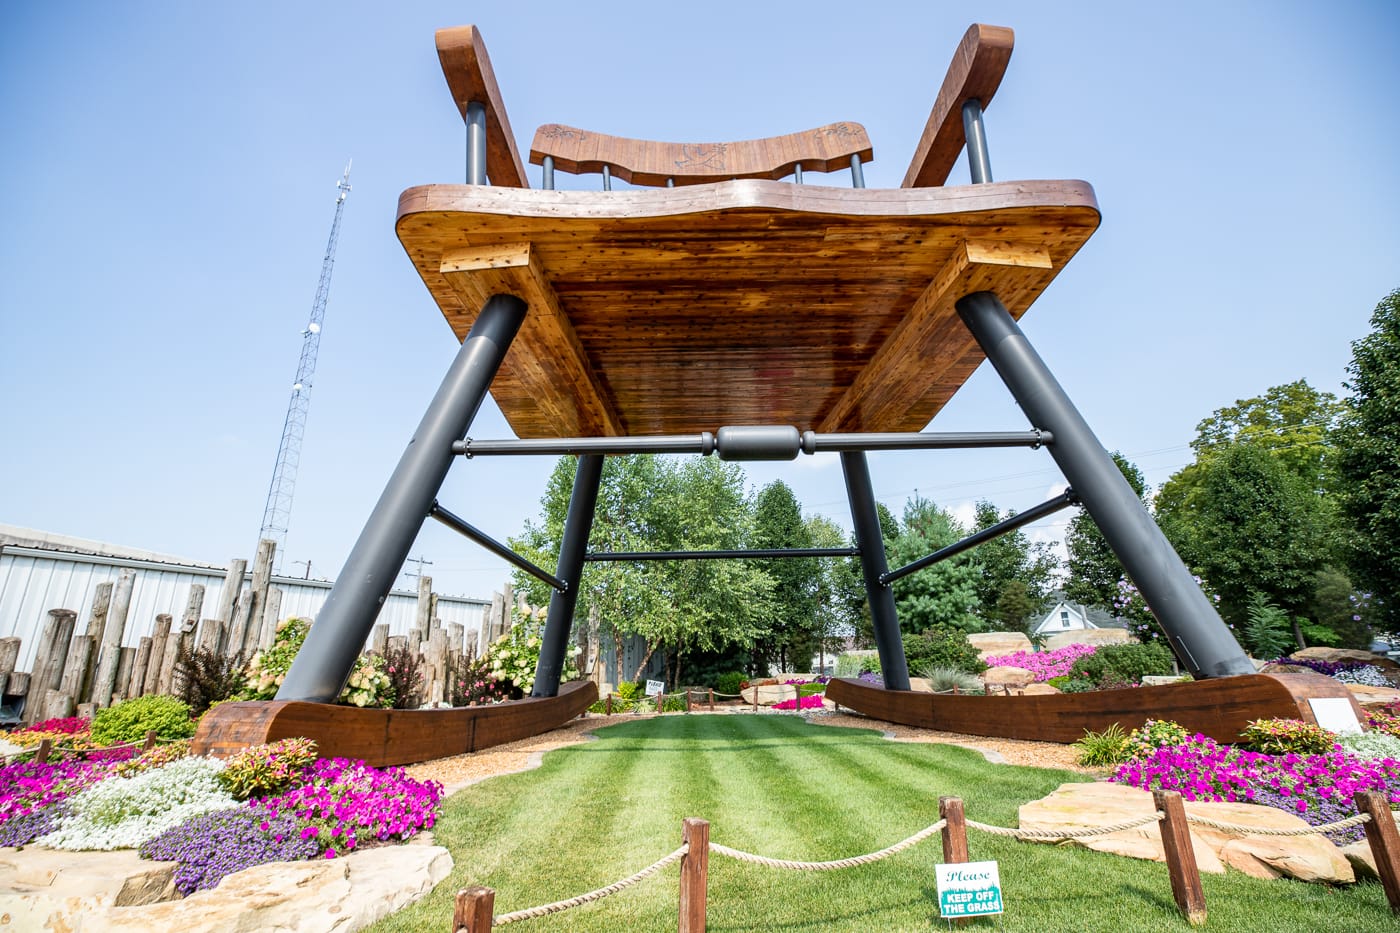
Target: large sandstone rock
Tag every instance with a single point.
(1080, 806)
(1007, 676)
(86, 891)
(1373, 696)
(989, 643)
(1088, 636)
(768, 694)
(1038, 690)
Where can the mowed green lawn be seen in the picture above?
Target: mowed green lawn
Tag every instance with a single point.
(778, 786)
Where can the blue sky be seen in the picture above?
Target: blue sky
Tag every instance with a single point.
(167, 176)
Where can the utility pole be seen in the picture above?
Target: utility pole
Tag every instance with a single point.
(421, 564)
(278, 511)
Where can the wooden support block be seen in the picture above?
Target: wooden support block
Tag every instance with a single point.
(1003, 253)
(1385, 843)
(47, 671)
(695, 871)
(1181, 857)
(475, 910)
(77, 666)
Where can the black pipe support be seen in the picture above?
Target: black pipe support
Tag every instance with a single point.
(894, 667)
(345, 621)
(578, 524)
(471, 532)
(1201, 640)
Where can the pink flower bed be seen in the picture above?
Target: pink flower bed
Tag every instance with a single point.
(812, 702)
(1043, 664)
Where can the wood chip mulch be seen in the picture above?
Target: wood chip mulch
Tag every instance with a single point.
(464, 770)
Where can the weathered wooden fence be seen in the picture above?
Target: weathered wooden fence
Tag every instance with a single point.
(78, 669)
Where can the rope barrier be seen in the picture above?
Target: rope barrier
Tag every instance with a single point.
(851, 862)
(1065, 833)
(1347, 823)
(546, 909)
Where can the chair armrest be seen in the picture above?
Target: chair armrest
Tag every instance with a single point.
(467, 69)
(975, 73)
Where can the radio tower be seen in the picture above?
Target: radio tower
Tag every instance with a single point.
(277, 514)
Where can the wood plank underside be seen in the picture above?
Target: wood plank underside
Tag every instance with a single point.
(744, 302)
(383, 737)
(1220, 707)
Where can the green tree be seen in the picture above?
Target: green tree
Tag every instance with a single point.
(1368, 462)
(1013, 573)
(1094, 570)
(650, 503)
(1251, 524)
(945, 594)
(840, 592)
(791, 638)
(1292, 421)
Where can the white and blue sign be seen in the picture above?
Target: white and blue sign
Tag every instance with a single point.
(969, 889)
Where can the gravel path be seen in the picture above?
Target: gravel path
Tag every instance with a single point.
(464, 770)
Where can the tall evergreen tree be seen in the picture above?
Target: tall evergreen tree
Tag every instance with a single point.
(1094, 570)
(791, 638)
(945, 594)
(1013, 573)
(1368, 461)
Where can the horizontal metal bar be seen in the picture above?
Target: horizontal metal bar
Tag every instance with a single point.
(704, 443)
(1034, 514)
(814, 443)
(758, 553)
(461, 526)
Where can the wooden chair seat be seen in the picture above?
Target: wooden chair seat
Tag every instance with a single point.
(661, 311)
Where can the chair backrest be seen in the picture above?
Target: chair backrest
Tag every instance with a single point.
(661, 164)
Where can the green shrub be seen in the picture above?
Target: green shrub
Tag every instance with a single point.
(938, 647)
(1099, 749)
(1286, 736)
(944, 679)
(1144, 741)
(673, 703)
(1059, 682)
(1077, 685)
(1122, 665)
(631, 690)
(1267, 630)
(731, 682)
(130, 720)
(267, 770)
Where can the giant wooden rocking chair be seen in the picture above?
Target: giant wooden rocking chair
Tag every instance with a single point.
(719, 309)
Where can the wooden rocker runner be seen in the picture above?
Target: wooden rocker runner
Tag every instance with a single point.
(715, 307)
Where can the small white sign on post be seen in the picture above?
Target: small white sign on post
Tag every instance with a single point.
(969, 889)
(1335, 714)
(655, 688)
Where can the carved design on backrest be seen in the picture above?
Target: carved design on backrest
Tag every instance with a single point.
(702, 155)
(642, 162)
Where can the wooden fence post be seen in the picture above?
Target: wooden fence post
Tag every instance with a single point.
(955, 832)
(110, 651)
(1385, 843)
(47, 671)
(151, 683)
(1181, 857)
(476, 908)
(151, 738)
(695, 872)
(42, 755)
(712, 699)
(607, 707)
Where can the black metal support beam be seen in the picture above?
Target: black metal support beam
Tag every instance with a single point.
(757, 553)
(706, 443)
(558, 623)
(476, 143)
(345, 621)
(979, 162)
(894, 668)
(1034, 514)
(470, 531)
(1200, 638)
